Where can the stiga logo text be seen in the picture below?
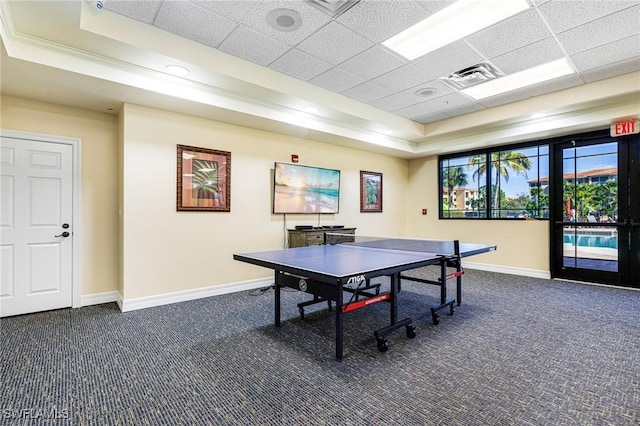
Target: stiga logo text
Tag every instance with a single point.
(356, 279)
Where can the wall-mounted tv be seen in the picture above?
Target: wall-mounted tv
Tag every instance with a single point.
(304, 189)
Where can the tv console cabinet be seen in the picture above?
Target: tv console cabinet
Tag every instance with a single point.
(313, 237)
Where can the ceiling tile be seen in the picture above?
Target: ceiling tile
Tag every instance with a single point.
(372, 63)
(602, 31)
(300, 65)
(409, 96)
(367, 92)
(401, 78)
(143, 11)
(464, 109)
(612, 70)
(508, 35)
(193, 22)
(344, 54)
(555, 85)
(567, 14)
(450, 101)
(437, 105)
(396, 101)
(337, 79)
(253, 14)
(379, 21)
(626, 48)
(428, 118)
(538, 53)
(253, 46)
(334, 44)
(443, 62)
(418, 110)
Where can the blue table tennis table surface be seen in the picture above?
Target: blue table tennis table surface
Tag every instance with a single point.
(349, 259)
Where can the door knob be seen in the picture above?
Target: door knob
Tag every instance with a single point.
(64, 234)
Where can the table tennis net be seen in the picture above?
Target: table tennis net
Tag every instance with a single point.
(402, 244)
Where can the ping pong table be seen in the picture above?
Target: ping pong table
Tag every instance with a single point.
(345, 265)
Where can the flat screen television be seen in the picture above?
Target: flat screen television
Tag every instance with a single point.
(305, 190)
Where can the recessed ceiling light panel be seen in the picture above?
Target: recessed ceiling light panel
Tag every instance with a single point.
(462, 18)
(528, 77)
(285, 20)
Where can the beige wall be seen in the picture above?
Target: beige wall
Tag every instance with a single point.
(521, 244)
(129, 164)
(99, 138)
(167, 251)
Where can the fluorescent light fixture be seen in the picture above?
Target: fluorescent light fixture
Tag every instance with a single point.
(538, 115)
(176, 70)
(311, 109)
(528, 77)
(452, 23)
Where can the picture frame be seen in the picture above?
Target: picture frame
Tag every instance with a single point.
(203, 179)
(370, 192)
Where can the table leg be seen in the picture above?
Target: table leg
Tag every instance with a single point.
(443, 281)
(277, 298)
(456, 247)
(395, 283)
(339, 325)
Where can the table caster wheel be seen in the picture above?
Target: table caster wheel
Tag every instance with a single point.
(451, 309)
(435, 318)
(383, 345)
(411, 331)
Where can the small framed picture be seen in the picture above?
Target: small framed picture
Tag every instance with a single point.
(203, 180)
(370, 192)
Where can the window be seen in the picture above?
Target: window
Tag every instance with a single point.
(501, 184)
(461, 193)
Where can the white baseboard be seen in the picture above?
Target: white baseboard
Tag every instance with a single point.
(99, 298)
(199, 293)
(183, 296)
(534, 273)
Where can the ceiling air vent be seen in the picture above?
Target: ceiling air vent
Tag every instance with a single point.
(470, 76)
(333, 8)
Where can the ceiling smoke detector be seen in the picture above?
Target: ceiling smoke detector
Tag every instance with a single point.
(285, 20)
(333, 8)
(470, 76)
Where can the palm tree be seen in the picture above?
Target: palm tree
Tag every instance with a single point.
(205, 179)
(502, 162)
(372, 192)
(452, 178)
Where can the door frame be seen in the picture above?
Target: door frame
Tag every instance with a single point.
(624, 262)
(76, 256)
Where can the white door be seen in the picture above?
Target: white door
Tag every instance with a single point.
(36, 240)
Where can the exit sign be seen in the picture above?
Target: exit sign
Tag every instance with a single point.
(625, 128)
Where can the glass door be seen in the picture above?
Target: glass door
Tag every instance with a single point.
(593, 224)
(634, 212)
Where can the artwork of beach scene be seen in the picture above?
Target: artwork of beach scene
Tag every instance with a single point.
(303, 189)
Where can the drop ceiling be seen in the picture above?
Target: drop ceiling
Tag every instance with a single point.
(264, 63)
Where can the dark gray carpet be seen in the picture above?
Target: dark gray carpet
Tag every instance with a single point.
(519, 351)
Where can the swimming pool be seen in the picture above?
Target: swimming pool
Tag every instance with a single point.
(600, 241)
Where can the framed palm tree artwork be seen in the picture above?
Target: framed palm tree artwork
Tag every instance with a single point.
(203, 180)
(370, 192)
